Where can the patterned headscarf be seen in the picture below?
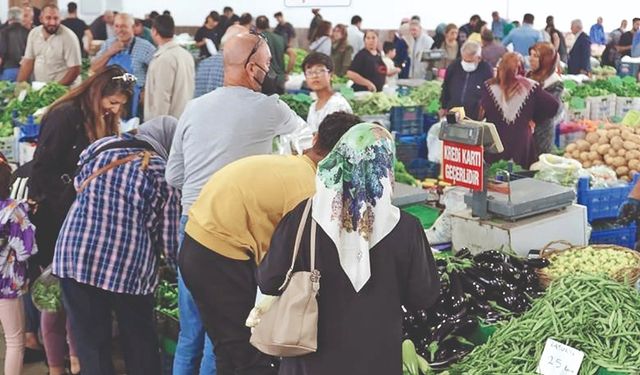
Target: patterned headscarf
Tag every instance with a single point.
(352, 203)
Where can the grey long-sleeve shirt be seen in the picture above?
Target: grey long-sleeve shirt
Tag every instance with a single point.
(221, 127)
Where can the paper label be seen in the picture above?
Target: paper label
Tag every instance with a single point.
(559, 359)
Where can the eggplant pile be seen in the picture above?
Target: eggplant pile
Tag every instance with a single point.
(487, 287)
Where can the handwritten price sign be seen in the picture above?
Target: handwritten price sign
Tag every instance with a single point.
(559, 359)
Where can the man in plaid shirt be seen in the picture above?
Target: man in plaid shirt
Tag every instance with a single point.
(124, 217)
(209, 74)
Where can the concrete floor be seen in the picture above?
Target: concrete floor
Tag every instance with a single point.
(41, 368)
(31, 369)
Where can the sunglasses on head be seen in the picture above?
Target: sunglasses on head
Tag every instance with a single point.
(261, 38)
(126, 77)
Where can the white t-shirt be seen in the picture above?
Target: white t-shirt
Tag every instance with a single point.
(391, 80)
(336, 103)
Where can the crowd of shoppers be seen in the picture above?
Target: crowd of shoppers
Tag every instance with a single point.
(209, 196)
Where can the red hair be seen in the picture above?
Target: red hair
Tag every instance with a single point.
(548, 61)
(507, 76)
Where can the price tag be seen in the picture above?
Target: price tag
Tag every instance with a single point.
(559, 359)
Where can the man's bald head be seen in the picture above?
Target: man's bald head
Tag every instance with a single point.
(239, 47)
(247, 60)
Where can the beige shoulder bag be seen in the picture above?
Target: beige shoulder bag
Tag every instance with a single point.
(290, 327)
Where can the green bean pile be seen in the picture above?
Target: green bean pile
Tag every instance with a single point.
(593, 314)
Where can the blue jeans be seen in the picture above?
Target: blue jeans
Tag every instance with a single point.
(192, 338)
(10, 74)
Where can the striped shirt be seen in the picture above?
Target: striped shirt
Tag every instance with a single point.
(209, 74)
(119, 224)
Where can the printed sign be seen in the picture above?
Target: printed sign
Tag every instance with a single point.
(559, 359)
(317, 3)
(462, 165)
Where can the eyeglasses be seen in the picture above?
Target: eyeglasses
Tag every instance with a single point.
(261, 38)
(316, 73)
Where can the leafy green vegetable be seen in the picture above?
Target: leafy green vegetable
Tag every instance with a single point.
(33, 101)
(47, 297)
(300, 55)
(338, 81)
(613, 85)
(428, 96)
(378, 103)
(300, 103)
(402, 175)
(167, 299)
(503, 165)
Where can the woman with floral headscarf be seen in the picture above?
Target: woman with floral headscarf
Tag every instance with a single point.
(372, 258)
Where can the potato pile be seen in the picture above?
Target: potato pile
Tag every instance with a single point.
(615, 146)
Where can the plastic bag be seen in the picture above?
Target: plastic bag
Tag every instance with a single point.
(557, 169)
(434, 144)
(46, 293)
(602, 177)
(453, 200)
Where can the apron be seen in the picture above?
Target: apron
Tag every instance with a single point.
(125, 60)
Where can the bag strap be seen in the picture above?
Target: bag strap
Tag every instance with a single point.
(296, 246)
(314, 227)
(145, 155)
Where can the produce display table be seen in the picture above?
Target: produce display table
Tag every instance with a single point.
(404, 195)
(523, 235)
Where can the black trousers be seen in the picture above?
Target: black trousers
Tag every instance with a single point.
(224, 290)
(89, 310)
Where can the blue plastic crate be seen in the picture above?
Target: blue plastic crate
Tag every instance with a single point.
(407, 120)
(409, 148)
(428, 119)
(29, 131)
(423, 168)
(603, 203)
(622, 236)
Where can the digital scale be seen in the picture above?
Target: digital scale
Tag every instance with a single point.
(520, 198)
(518, 214)
(431, 57)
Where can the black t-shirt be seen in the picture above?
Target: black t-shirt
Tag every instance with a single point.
(287, 31)
(626, 40)
(370, 67)
(76, 25)
(212, 34)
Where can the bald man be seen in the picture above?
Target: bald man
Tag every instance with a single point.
(227, 124)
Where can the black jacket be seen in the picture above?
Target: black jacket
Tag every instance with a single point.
(463, 89)
(13, 42)
(62, 139)
(580, 55)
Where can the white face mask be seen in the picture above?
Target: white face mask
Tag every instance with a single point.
(469, 66)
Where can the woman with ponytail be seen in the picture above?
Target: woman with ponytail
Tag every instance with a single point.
(512, 102)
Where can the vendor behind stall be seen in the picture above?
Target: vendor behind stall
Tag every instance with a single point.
(464, 79)
(367, 69)
(512, 102)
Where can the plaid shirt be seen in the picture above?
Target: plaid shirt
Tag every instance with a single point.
(141, 56)
(119, 224)
(209, 75)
